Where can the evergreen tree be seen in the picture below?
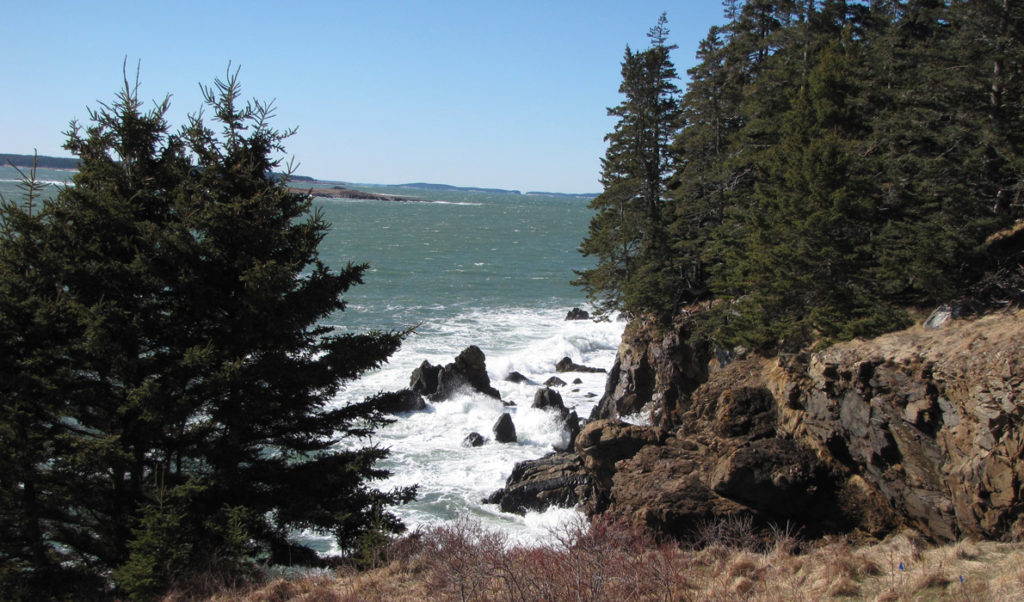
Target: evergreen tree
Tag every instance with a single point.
(628, 236)
(167, 308)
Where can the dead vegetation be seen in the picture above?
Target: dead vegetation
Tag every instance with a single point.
(613, 561)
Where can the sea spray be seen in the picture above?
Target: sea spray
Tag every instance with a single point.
(427, 446)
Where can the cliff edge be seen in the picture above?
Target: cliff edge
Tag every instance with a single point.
(921, 428)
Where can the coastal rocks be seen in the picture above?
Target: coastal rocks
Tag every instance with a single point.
(921, 428)
(654, 369)
(468, 371)
(603, 443)
(504, 429)
(577, 314)
(516, 377)
(548, 398)
(557, 479)
(567, 365)
(473, 439)
(398, 402)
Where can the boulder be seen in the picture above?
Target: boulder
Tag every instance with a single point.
(549, 398)
(577, 314)
(473, 439)
(571, 429)
(554, 381)
(504, 429)
(567, 365)
(397, 402)
(468, 371)
(516, 377)
(424, 378)
(557, 479)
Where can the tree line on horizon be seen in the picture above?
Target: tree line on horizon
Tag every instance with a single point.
(829, 166)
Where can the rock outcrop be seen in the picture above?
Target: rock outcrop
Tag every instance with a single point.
(567, 365)
(653, 370)
(473, 439)
(504, 429)
(397, 402)
(557, 479)
(577, 314)
(468, 371)
(921, 428)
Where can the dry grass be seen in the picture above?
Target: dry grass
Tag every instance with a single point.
(612, 561)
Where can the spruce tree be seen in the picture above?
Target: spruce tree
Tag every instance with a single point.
(168, 308)
(628, 236)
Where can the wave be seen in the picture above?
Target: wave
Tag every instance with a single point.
(426, 447)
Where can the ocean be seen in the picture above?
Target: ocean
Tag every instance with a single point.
(462, 268)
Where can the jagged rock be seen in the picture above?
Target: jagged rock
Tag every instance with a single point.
(516, 377)
(921, 428)
(504, 429)
(469, 370)
(397, 402)
(567, 365)
(602, 443)
(557, 479)
(572, 429)
(473, 439)
(424, 378)
(577, 314)
(549, 398)
(653, 366)
(554, 381)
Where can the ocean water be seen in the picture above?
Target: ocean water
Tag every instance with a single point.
(463, 268)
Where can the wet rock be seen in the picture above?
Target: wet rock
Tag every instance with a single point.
(473, 439)
(424, 378)
(398, 402)
(557, 479)
(577, 314)
(554, 381)
(468, 371)
(516, 377)
(572, 430)
(548, 398)
(504, 429)
(567, 365)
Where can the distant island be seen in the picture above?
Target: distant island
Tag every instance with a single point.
(427, 186)
(340, 192)
(39, 161)
(334, 192)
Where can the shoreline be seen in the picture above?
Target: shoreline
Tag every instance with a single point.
(339, 192)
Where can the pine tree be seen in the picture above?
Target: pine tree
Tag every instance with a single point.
(168, 308)
(628, 236)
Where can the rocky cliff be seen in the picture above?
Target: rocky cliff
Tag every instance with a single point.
(922, 427)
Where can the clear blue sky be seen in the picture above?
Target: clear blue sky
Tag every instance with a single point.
(508, 94)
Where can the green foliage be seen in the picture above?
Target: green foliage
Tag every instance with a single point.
(167, 378)
(836, 164)
(627, 234)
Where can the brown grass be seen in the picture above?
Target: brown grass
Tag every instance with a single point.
(615, 562)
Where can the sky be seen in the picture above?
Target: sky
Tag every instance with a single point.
(510, 94)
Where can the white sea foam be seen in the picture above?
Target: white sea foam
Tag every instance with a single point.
(426, 447)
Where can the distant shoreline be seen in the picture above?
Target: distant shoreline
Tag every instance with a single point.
(335, 192)
(338, 192)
